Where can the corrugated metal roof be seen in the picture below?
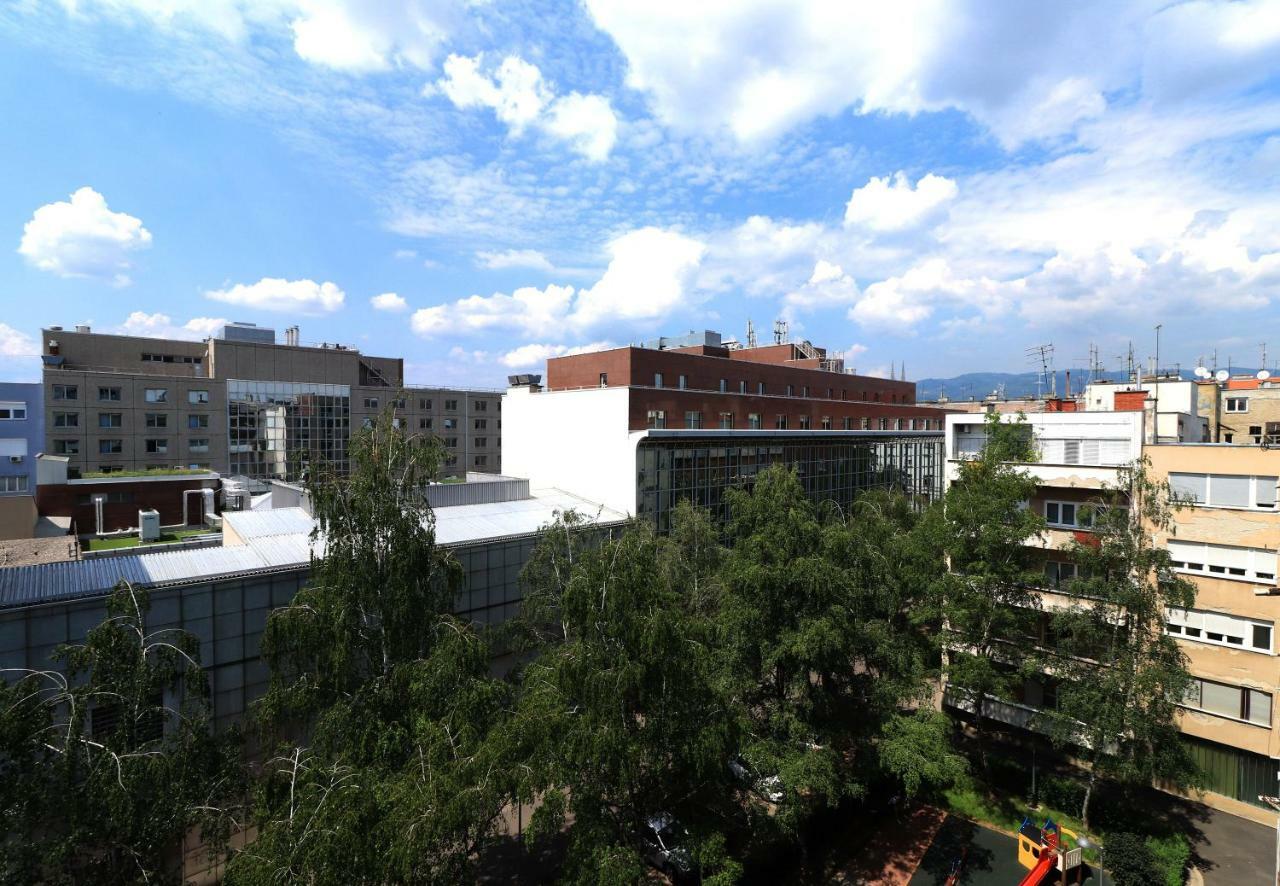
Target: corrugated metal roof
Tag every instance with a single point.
(256, 524)
(273, 540)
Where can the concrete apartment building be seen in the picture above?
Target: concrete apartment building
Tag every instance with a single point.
(690, 418)
(240, 404)
(1227, 544)
(21, 438)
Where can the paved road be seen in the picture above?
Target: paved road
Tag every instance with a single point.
(1231, 851)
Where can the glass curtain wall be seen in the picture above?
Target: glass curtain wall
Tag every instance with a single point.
(275, 429)
(831, 468)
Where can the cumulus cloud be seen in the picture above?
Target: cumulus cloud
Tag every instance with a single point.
(519, 97)
(514, 258)
(883, 204)
(827, 286)
(649, 277)
(388, 301)
(14, 343)
(276, 294)
(530, 355)
(159, 325)
(82, 237)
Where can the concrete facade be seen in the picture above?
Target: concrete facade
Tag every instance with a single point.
(114, 403)
(21, 439)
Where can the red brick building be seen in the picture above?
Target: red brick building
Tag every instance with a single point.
(772, 387)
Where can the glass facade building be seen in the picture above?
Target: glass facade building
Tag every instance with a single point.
(274, 428)
(833, 467)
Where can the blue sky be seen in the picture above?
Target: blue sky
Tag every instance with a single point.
(480, 185)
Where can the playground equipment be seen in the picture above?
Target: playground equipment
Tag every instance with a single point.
(1042, 850)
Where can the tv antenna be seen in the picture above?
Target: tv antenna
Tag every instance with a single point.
(780, 336)
(751, 333)
(1042, 355)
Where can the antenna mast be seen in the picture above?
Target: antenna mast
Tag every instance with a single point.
(1043, 355)
(751, 333)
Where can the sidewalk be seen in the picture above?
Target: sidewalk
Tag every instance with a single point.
(894, 854)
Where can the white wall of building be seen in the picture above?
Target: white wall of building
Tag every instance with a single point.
(575, 441)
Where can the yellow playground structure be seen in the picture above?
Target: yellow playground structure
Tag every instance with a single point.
(1051, 854)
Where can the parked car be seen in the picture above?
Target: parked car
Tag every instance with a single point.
(767, 787)
(665, 846)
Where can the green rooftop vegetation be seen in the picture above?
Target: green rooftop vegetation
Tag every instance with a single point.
(131, 541)
(150, 472)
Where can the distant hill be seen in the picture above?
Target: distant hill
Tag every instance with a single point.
(977, 385)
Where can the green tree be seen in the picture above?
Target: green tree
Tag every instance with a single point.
(1121, 676)
(106, 769)
(984, 598)
(381, 700)
(618, 719)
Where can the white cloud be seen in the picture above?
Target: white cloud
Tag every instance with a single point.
(276, 294)
(520, 98)
(14, 343)
(82, 237)
(649, 277)
(530, 355)
(514, 258)
(160, 325)
(827, 286)
(405, 254)
(586, 122)
(388, 301)
(894, 205)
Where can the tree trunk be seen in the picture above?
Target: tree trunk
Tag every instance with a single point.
(1084, 808)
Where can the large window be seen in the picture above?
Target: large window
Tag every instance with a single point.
(157, 446)
(66, 447)
(66, 392)
(13, 411)
(753, 421)
(111, 394)
(197, 422)
(1071, 514)
(657, 418)
(11, 485)
(157, 420)
(66, 419)
(726, 421)
(110, 447)
(197, 397)
(110, 419)
(1235, 702)
(157, 395)
(1220, 629)
(693, 419)
(1223, 561)
(199, 444)
(1225, 490)
(275, 429)
(1237, 404)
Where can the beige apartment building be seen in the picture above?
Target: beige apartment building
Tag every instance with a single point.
(241, 404)
(1226, 544)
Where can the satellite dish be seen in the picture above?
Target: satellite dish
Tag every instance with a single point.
(1222, 375)
(1201, 372)
(1263, 375)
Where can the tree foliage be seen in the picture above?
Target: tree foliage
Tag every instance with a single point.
(107, 765)
(380, 701)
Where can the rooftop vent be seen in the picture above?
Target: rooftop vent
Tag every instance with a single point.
(83, 330)
(524, 380)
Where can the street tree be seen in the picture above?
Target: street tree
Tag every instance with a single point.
(1119, 675)
(380, 703)
(108, 759)
(984, 597)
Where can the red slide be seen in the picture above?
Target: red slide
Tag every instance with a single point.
(1043, 866)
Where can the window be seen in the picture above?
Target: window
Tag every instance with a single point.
(424, 404)
(366, 424)
(397, 423)
(482, 442)
(424, 423)
(884, 424)
(199, 444)
(157, 395)
(1223, 561)
(791, 391)
(1060, 513)
(13, 411)
(157, 447)
(114, 497)
(482, 424)
(480, 405)
(451, 442)
(847, 423)
(1225, 490)
(197, 422)
(157, 420)
(110, 420)
(753, 421)
(370, 402)
(657, 418)
(1237, 404)
(683, 382)
(726, 421)
(657, 379)
(450, 424)
(897, 424)
(1235, 702)
(450, 405)
(760, 387)
(110, 447)
(724, 385)
(66, 392)
(197, 397)
(481, 461)
(399, 402)
(780, 422)
(693, 419)
(604, 379)
(13, 484)
(66, 419)
(742, 386)
(826, 422)
(1058, 575)
(108, 393)
(804, 391)
(1219, 628)
(806, 423)
(66, 447)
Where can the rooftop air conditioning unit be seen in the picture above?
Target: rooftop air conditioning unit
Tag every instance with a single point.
(15, 459)
(149, 525)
